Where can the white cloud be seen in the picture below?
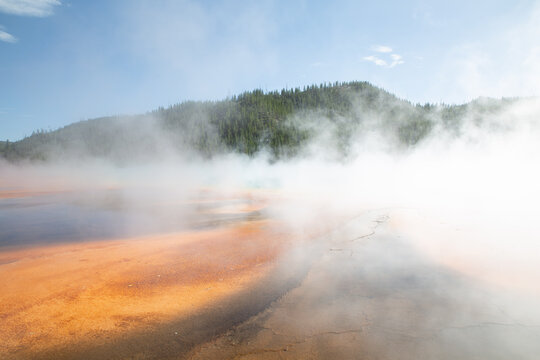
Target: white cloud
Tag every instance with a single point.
(396, 60)
(381, 48)
(38, 8)
(376, 60)
(393, 61)
(388, 60)
(7, 37)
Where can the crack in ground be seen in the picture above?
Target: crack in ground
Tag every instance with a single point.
(260, 315)
(294, 343)
(378, 222)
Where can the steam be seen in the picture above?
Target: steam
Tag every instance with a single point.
(466, 197)
(480, 172)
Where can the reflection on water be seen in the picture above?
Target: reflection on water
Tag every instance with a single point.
(27, 221)
(66, 217)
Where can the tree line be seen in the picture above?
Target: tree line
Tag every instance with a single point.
(279, 122)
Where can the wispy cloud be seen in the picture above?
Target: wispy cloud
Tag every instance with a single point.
(376, 60)
(381, 49)
(37, 8)
(7, 37)
(396, 60)
(386, 59)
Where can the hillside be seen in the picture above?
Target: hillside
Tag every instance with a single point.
(282, 123)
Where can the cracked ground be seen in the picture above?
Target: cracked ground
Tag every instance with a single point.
(246, 287)
(368, 295)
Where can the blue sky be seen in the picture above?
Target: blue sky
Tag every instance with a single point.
(63, 61)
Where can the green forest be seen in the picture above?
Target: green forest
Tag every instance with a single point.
(281, 123)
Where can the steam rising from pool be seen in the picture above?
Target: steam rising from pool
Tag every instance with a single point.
(466, 202)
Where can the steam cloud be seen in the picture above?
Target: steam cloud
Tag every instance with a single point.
(465, 198)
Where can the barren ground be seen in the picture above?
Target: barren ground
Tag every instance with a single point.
(249, 286)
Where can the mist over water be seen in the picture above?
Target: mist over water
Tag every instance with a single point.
(269, 180)
(450, 224)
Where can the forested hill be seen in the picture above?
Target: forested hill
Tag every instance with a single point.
(282, 123)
